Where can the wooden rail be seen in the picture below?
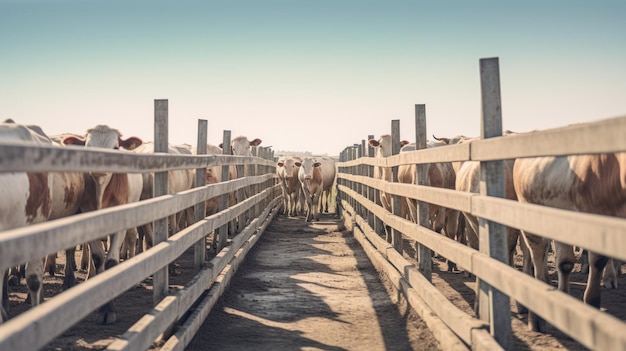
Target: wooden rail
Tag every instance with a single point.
(38, 326)
(593, 328)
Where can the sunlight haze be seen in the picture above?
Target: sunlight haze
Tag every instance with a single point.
(307, 76)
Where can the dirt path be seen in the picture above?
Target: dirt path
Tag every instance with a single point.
(310, 287)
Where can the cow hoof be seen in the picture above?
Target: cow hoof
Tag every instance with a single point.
(109, 317)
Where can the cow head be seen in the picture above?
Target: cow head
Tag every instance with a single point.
(241, 146)
(383, 145)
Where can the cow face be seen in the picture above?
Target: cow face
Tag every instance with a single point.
(241, 146)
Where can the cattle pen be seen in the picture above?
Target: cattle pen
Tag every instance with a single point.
(392, 242)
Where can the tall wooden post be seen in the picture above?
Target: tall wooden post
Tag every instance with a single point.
(494, 306)
(424, 254)
(199, 250)
(160, 277)
(374, 221)
(396, 206)
(223, 230)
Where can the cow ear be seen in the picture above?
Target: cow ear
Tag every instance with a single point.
(255, 142)
(73, 140)
(317, 164)
(280, 164)
(373, 142)
(298, 164)
(130, 143)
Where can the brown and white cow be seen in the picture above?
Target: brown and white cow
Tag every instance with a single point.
(67, 195)
(106, 189)
(177, 181)
(316, 175)
(287, 170)
(586, 183)
(25, 198)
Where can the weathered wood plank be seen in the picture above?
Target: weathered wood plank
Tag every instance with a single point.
(597, 233)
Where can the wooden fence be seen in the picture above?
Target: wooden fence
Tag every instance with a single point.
(38, 326)
(358, 192)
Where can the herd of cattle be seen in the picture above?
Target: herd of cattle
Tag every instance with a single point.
(29, 198)
(587, 183)
(594, 183)
(307, 184)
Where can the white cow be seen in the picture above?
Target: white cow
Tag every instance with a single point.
(586, 183)
(240, 146)
(213, 176)
(177, 181)
(287, 170)
(106, 189)
(25, 198)
(316, 175)
(383, 148)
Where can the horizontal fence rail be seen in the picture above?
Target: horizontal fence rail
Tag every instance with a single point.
(358, 192)
(39, 325)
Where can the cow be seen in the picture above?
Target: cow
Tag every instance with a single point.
(383, 148)
(290, 183)
(25, 198)
(213, 176)
(240, 146)
(592, 183)
(280, 174)
(107, 189)
(177, 181)
(439, 175)
(67, 196)
(316, 175)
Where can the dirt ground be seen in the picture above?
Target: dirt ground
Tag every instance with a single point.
(309, 287)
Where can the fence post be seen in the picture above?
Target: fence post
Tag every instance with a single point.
(224, 199)
(199, 250)
(423, 252)
(362, 172)
(396, 207)
(494, 306)
(374, 221)
(160, 277)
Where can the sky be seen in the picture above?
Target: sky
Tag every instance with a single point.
(313, 76)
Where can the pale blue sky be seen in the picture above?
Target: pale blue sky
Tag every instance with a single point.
(308, 75)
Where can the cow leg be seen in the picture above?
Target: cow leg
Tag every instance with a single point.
(85, 262)
(34, 281)
(592, 291)
(109, 313)
(50, 264)
(609, 274)
(130, 240)
(70, 265)
(451, 228)
(538, 253)
(565, 260)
